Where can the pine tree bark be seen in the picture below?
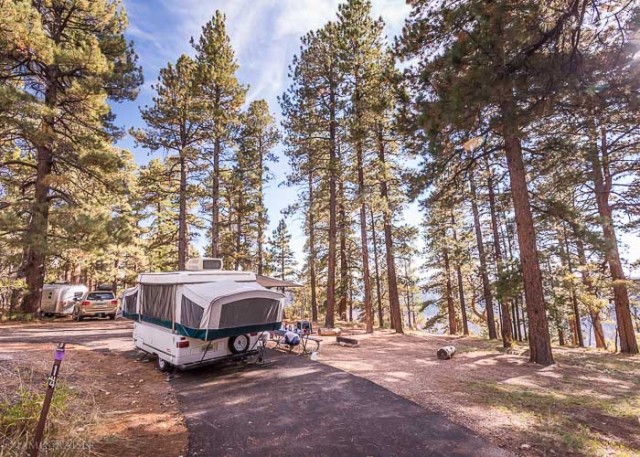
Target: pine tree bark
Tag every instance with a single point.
(238, 252)
(261, 216)
(215, 199)
(539, 338)
(486, 287)
(602, 180)
(182, 213)
(312, 251)
(394, 300)
(451, 309)
(333, 171)
(407, 291)
(377, 270)
(507, 334)
(36, 235)
(594, 313)
(344, 262)
(578, 338)
(458, 267)
(364, 242)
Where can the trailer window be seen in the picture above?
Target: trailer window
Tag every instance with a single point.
(129, 305)
(251, 311)
(158, 301)
(190, 313)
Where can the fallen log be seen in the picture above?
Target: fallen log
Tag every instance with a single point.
(329, 331)
(446, 352)
(351, 342)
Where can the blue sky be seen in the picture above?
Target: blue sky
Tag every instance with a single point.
(265, 35)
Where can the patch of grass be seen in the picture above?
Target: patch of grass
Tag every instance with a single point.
(603, 362)
(562, 420)
(17, 317)
(21, 399)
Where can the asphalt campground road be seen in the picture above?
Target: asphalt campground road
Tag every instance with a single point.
(298, 407)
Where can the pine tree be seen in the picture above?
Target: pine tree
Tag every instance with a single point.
(479, 57)
(360, 50)
(283, 261)
(72, 62)
(224, 97)
(176, 125)
(257, 138)
(311, 107)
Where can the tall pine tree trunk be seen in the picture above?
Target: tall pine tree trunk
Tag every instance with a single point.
(507, 334)
(239, 199)
(377, 269)
(366, 276)
(261, 214)
(394, 300)
(407, 292)
(578, 338)
(486, 287)
(215, 199)
(35, 238)
(451, 309)
(594, 313)
(333, 172)
(539, 338)
(344, 262)
(458, 267)
(599, 159)
(182, 214)
(312, 251)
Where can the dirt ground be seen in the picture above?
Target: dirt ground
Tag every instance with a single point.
(586, 404)
(115, 404)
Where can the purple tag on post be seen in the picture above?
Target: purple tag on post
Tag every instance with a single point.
(59, 354)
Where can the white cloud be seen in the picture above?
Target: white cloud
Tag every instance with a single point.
(265, 33)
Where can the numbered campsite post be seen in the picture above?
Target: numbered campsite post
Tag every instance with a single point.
(51, 385)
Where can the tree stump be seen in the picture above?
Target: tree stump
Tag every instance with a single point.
(446, 352)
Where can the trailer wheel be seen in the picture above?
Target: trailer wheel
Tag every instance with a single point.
(239, 344)
(164, 366)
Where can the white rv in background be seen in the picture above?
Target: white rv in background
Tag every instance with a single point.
(60, 299)
(188, 318)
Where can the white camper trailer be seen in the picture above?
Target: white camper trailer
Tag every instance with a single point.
(59, 299)
(188, 318)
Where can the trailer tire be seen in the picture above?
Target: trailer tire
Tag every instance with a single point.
(239, 344)
(164, 366)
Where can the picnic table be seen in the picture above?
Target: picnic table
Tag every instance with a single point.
(308, 342)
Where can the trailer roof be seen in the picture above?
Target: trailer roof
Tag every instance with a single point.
(269, 282)
(192, 277)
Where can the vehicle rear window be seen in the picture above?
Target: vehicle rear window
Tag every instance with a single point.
(100, 296)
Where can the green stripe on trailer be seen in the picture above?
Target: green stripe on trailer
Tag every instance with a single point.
(205, 334)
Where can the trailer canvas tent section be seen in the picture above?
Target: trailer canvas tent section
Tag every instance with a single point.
(205, 305)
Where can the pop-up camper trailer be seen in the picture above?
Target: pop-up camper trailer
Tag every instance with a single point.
(188, 318)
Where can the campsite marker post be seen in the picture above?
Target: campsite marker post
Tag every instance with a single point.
(51, 385)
